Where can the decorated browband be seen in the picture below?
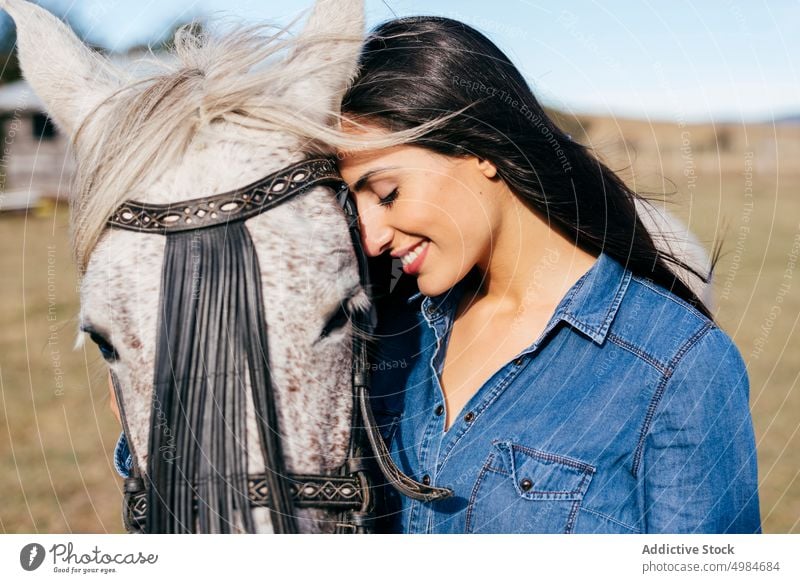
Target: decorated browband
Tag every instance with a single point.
(235, 205)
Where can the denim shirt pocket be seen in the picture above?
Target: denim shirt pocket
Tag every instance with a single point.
(525, 490)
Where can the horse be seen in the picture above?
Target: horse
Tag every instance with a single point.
(227, 110)
(232, 421)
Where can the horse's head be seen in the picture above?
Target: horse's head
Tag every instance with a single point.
(222, 113)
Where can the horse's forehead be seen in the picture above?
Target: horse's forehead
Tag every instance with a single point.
(214, 164)
(300, 244)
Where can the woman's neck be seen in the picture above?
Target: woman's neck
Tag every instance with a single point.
(531, 265)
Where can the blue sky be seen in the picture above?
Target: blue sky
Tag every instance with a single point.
(680, 60)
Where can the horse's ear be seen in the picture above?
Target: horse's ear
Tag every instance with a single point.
(69, 77)
(333, 63)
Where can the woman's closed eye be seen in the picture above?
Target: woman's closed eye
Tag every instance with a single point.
(388, 200)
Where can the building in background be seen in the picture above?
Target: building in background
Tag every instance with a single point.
(35, 166)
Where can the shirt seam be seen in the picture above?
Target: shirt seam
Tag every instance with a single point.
(671, 297)
(660, 367)
(656, 400)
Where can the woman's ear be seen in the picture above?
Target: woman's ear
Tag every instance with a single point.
(488, 169)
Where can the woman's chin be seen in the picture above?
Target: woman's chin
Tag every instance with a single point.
(433, 286)
(427, 285)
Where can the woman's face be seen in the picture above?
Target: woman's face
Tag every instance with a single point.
(438, 214)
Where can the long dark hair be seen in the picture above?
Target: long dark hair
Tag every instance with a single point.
(414, 70)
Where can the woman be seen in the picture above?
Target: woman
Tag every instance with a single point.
(552, 372)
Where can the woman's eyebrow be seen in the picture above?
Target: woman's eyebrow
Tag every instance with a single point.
(359, 184)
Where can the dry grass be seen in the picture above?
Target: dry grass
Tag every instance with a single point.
(56, 473)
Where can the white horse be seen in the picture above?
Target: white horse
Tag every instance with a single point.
(228, 111)
(671, 235)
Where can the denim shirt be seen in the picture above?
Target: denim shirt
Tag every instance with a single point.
(123, 460)
(629, 414)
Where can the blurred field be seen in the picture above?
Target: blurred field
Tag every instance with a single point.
(56, 473)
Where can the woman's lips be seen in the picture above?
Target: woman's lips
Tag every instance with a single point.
(412, 261)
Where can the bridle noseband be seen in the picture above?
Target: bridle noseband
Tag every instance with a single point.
(348, 492)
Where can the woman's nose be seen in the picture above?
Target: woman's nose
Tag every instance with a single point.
(376, 235)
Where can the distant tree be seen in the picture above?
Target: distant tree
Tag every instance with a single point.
(724, 139)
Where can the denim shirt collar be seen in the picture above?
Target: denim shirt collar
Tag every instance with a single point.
(589, 306)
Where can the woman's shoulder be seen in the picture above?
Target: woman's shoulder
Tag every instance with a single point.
(665, 328)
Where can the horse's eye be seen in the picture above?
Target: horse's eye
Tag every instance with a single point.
(338, 319)
(106, 349)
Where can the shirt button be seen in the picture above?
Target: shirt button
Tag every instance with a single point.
(519, 361)
(469, 417)
(439, 410)
(426, 479)
(525, 484)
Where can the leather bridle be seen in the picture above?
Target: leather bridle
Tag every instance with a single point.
(349, 490)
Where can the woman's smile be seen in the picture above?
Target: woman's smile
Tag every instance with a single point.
(412, 261)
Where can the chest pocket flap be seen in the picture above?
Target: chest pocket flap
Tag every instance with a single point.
(538, 475)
